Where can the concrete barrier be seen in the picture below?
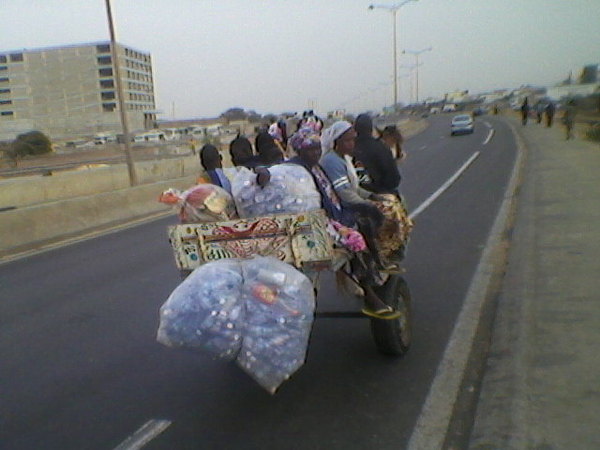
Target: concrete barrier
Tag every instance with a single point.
(33, 190)
(23, 228)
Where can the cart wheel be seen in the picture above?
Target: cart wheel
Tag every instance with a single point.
(393, 337)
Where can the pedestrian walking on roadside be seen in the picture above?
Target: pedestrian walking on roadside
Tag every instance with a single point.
(550, 109)
(569, 119)
(539, 111)
(524, 111)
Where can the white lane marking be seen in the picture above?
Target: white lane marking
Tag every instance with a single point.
(487, 124)
(443, 187)
(432, 424)
(144, 434)
(423, 147)
(489, 137)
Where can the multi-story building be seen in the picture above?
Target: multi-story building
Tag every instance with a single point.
(71, 90)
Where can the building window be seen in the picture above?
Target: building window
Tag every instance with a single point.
(107, 83)
(2, 58)
(5, 102)
(105, 72)
(103, 48)
(4, 91)
(6, 113)
(3, 68)
(104, 60)
(108, 95)
(16, 57)
(109, 107)
(3, 79)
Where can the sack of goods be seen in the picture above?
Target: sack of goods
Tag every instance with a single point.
(257, 311)
(291, 190)
(201, 203)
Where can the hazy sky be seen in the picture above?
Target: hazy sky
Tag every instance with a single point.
(286, 55)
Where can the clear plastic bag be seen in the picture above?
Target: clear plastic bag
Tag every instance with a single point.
(205, 311)
(201, 203)
(258, 311)
(291, 190)
(280, 307)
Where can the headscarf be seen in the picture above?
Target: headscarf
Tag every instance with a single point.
(305, 138)
(331, 134)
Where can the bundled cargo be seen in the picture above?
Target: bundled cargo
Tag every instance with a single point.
(205, 311)
(291, 190)
(201, 203)
(258, 311)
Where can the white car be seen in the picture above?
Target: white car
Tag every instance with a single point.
(462, 124)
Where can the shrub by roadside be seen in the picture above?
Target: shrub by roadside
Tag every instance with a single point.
(593, 132)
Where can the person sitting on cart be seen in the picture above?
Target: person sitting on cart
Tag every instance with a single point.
(384, 178)
(376, 157)
(241, 153)
(212, 161)
(306, 143)
(338, 143)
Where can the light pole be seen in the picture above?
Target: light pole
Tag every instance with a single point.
(394, 10)
(417, 53)
(123, 114)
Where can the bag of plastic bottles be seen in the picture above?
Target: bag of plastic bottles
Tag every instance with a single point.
(291, 190)
(258, 311)
(279, 306)
(205, 310)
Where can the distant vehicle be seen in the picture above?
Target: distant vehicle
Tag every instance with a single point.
(462, 124)
(197, 132)
(104, 138)
(78, 143)
(435, 110)
(449, 107)
(149, 136)
(479, 111)
(172, 134)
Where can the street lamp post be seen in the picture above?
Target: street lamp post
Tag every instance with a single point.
(394, 10)
(416, 53)
(408, 75)
(123, 114)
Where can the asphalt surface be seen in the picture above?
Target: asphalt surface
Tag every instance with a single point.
(81, 368)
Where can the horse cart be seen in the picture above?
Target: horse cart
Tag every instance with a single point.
(302, 241)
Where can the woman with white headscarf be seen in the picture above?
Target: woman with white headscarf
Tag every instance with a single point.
(338, 144)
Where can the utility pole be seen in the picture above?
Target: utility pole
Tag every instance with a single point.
(416, 53)
(123, 113)
(394, 10)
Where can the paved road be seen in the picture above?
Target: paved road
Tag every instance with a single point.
(80, 368)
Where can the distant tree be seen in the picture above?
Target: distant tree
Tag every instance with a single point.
(234, 114)
(31, 143)
(253, 116)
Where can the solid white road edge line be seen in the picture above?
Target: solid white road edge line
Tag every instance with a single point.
(443, 187)
(84, 237)
(144, 434)
(487, 124)
(432, 424)
(489, 137)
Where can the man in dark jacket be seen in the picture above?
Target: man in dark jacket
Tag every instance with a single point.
(376, 158)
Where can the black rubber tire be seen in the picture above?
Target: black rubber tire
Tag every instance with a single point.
(393, 337)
